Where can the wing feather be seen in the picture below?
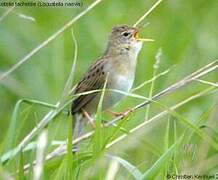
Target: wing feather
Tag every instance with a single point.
(93, 80)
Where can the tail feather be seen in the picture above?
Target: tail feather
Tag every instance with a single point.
(77, 125)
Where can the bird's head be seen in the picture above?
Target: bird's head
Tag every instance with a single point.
(125, 39)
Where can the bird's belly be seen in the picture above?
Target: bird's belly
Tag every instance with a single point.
(121, 83)
(111, 98)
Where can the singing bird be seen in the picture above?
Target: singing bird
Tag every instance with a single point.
(117, 65)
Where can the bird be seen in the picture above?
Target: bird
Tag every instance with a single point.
(117, 66)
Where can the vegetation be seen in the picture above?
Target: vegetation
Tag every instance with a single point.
(173, 128)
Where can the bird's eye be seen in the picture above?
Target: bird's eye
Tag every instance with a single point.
(126, 34)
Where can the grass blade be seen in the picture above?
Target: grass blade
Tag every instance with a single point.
(21, 165)
(207, 82)
(147, 13)
(133, 170)
(156, 167)
(69, 149)
(40, 155)
(70, 126)
(112, 170)
(48, 40)
(98, 136)
(72, 72)
(61, 150)
(155, 69)
(14, 119)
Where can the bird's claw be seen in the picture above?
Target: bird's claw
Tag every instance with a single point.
(122, 114)
(126, 113)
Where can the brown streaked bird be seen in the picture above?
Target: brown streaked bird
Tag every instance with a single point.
(118, 65)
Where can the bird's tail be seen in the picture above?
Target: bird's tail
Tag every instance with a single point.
(78, 124)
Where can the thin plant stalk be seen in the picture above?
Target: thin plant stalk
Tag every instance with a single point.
(64, 97)
(61, 150)
(155, 70)
(51, 114)
(40, 155)
(154, 78)
(185, 81)
(48, 40)
(207, 82)
(197, 74)
(7, 12)
(188, 79)
(147, 13)
(69, 81)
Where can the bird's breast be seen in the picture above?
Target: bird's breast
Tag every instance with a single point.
(121, 82)
(117, 82)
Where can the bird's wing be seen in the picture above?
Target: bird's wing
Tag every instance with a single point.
(94, 79)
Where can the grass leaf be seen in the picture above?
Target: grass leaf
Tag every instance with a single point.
(133, 170)
(98, 136)
(21, 165)
(159, 164)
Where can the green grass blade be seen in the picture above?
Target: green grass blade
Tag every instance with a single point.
(118, 128)
(70, 126)
(167, 135)
(61, 170)
(166, 144)
(98, 135)
(14, 118)
(159, 164)
(179, 117)
(155, 70)
(69, 149)
(42, 143)
(207, 82)
(133, 170)
(69, 81)
(31, 146)
(21, 165)
(175, 153)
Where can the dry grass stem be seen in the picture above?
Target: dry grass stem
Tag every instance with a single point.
(51, 113)
(47, 41)
(7, 12)
(147, 13)
(112, 170)
(62, 148)
(40, 155)
(20, 15)
(151, 80)
(197, 74)
(26, 17)
(207, 82)
(155, 70)
(163, 113)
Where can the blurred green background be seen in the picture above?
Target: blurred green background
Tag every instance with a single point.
(186, 31)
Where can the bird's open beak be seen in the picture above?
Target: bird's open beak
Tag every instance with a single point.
(136, 35)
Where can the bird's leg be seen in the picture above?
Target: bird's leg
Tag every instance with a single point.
(89, 118)
(113, 113)
(125, 113)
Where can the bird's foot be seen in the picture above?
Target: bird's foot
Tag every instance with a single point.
(123, 114)
(89, 118)
(92, 122)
